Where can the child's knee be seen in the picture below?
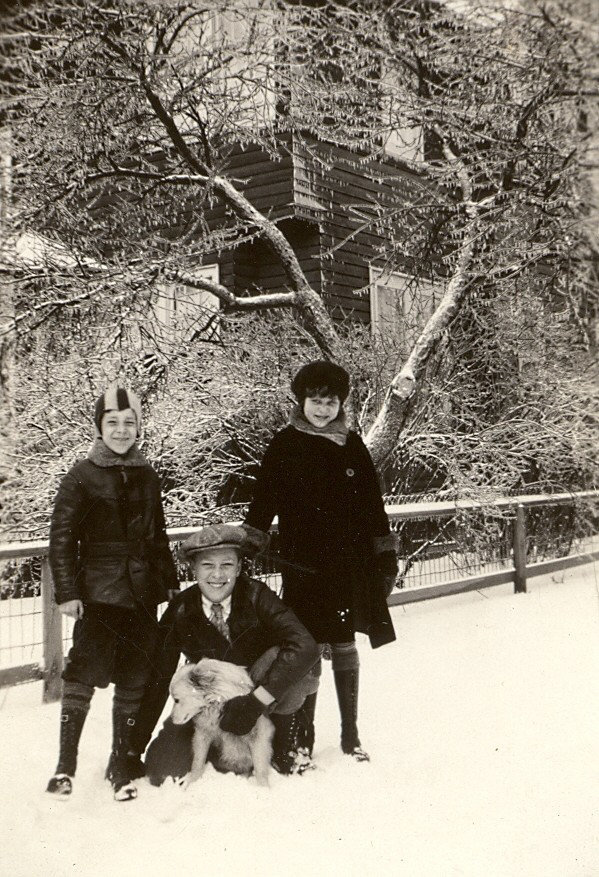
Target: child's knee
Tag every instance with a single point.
(80, 670)
(345, 656)
(260, 668)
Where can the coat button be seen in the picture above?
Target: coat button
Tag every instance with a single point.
(349, 472)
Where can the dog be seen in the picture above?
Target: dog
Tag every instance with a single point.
(199, 692)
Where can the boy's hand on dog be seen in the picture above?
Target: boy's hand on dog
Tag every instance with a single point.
(240, 714)
(72, 608)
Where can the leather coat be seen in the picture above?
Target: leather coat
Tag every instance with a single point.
(258, 621)
(108, 541)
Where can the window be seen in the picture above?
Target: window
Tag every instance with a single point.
(188, 312)
(406, 143)
(400, 305)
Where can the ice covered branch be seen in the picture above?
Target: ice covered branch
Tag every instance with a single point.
(382, 436)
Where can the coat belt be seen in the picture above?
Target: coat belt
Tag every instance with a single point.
(139, 548)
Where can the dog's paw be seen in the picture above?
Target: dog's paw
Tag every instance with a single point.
(176, 783)
(125, 792)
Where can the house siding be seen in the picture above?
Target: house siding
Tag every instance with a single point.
(324, 199)
(338, 189)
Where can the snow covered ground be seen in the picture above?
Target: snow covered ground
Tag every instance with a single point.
(482, 723)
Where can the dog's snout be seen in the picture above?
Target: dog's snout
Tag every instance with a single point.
(179, 713)
(179, 717)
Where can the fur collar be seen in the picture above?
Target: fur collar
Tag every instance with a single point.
(336, 431)
(102, 456)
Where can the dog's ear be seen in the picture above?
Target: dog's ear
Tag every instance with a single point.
(205, 684)
(201, 679)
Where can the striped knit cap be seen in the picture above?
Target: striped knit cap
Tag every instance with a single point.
(116, 399)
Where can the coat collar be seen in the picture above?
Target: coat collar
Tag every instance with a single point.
(336, 431)
(101, 455)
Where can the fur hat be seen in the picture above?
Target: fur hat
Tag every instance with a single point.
(323, 376)
(116, 399)
(247, 540)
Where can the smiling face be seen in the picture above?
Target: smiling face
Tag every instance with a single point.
(119, 430)
(216, 571)
(319, 411)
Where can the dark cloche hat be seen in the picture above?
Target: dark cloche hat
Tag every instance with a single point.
(247, 540)
(321, 375)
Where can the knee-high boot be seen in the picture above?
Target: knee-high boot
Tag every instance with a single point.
(76, 699)
(288, 753)
(117, 771)
(346, 685)
(71, 726)
(309, 711)
(120, 769)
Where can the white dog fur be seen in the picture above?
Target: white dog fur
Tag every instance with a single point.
(199, 692)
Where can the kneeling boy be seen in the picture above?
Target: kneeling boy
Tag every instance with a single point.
(230, 617)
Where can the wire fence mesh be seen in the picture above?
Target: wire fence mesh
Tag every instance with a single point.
(22, 614)
(435, 546)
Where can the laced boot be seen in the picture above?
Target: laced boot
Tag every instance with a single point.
(71, 725)
(346, 684)
(289, 755)
(119, 770)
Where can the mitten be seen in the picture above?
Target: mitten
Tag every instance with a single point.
(240, 714)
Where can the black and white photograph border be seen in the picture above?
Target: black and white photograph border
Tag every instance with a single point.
(197, 202)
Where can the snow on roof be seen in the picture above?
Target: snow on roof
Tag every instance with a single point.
(28, 249)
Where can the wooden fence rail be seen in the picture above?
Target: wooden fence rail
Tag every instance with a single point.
(518, 572)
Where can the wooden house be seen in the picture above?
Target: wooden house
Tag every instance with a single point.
(325, 199)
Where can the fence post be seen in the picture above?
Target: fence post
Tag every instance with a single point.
(519, 547)
(53, 656)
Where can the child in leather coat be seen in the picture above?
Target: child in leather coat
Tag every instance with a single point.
(112, 566)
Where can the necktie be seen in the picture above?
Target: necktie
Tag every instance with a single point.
(217, 619)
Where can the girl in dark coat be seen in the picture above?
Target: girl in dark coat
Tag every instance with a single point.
(112, 566)
(337, 553)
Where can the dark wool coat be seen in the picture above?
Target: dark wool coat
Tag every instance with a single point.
(331, 521)
(258, 621)
(108, 541)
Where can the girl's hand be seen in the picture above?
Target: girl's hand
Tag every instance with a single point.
(72, 608)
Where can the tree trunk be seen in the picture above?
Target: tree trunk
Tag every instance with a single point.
(382, 437)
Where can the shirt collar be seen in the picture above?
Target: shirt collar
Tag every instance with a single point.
(226, 604)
